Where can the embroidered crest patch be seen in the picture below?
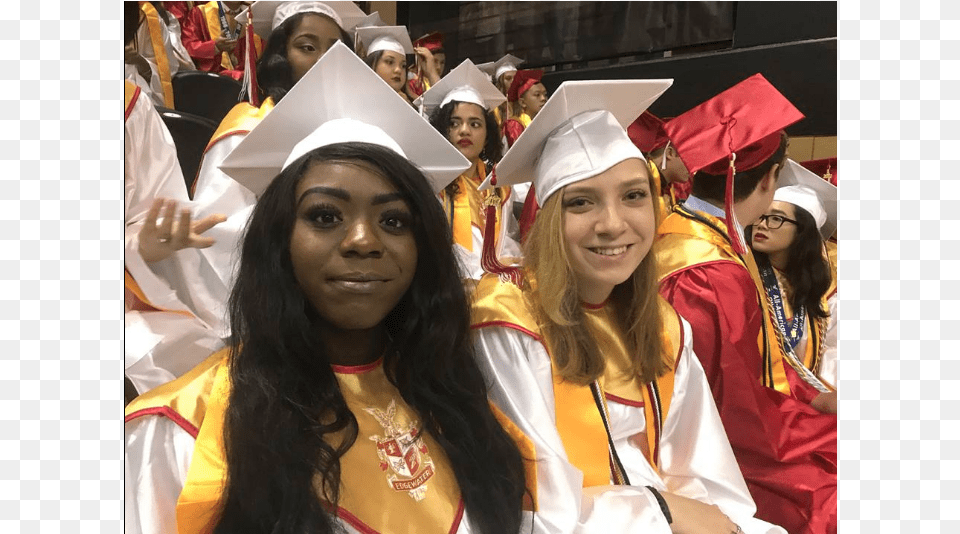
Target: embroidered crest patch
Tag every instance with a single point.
(402, 452)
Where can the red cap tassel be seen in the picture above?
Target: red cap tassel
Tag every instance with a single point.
(488, 256)
(250, 67)
(731, 217)
(529, 213)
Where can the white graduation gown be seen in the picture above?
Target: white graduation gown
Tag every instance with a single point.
(696, 458)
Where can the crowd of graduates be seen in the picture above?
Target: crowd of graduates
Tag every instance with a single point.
(404, 298)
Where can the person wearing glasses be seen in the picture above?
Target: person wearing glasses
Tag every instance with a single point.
(788, 244)
(780, 418)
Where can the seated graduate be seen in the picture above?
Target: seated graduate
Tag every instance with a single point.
(780, 418)
(528, 96)
(484, 228)
(431, 62)
(214, 36)
(788, 242)
(582, 353)
(501, 74)
(647, 133)
(386, 49)
(351, 401)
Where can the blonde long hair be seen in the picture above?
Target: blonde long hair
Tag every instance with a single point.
(556, 301)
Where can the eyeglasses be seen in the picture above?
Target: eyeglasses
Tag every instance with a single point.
(775, 221)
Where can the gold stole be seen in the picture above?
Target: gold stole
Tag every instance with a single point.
(241, 119)
(183, 400)
(159, 52)
(578, 421)
(815, 329)
(395, 478)
(683, 241)
(524, 119)
(211, 14)
(130, 94)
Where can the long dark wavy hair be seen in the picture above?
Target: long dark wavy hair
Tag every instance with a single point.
(807, 270)
(441, 119)
(285, 402)
(274, 74)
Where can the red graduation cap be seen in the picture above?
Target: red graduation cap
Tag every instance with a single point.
(647, 132)
(432, 41)
(826, 168)
(523, 80)
(738, 129)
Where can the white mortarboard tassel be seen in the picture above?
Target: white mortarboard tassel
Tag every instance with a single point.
(579, 133)
(818, 197)
(340, 99)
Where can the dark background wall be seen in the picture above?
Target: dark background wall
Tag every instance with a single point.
(705, 47)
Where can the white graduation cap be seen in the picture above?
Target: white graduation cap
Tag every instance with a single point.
(392, 38)
(466, 83)
(373, 19)
(579, 133)
(268, 15)
(803, 188)
(340, 99)
(497, 68)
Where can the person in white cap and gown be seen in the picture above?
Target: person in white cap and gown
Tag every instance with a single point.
(582, 353)
(387, 48)
(351, 401)
(460, 107)
(788, 244)
(159, 426)
(501, 74)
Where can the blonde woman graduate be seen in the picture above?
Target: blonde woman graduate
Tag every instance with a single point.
(351, 400)
(582, 353)
(789, 244)
(460, 107)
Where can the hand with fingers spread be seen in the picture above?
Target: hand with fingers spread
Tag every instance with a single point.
(159, 240)
(691, 516)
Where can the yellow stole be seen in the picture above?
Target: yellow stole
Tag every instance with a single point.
(183, 400)
(159, 52)
(211, 14)
(524, 119)
(241, 119)
(578, 420)
(469, 209)
(130, 94)
(394, 478)
(815, 329)
(683, 241)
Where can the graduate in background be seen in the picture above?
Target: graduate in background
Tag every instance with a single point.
(501, 74)
(528, 96)
(430, 65)
(788, 242)
(483, 226)
(386, 49)
(781, 419)
(582, 353)
(648, 135)
(215, 40)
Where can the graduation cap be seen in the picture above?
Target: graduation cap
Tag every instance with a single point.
(737, 130)
(432, 41)
(806, 190)
(466, 83)
(647, 132)
(392, 38)
(268, 15)
(524, 79)
(579, 133)
(340, 99)
(495, 69)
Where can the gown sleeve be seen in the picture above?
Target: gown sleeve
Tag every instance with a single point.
(518, 368)
(787, 450)
(155, 461)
